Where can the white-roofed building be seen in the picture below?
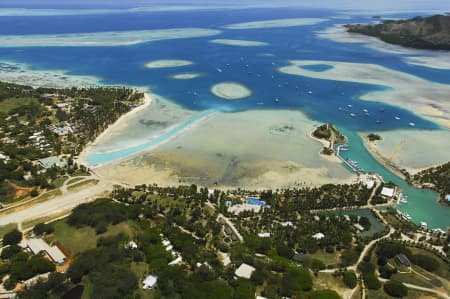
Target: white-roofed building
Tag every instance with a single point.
(264, 235)
(131, 245)
(149, 282)
(388, 192)
(239, 208)
(176, 261)
(318, 236)
(244, 271)
(37, 246)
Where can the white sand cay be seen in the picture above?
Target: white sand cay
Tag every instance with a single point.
(167, 63)
(186, 76)
(425, 58)
(20, 73)
(277, 23)
(238, 42)
(427, 98)
(412, 150)
(230, 91)
(216, 153)
(96, 39)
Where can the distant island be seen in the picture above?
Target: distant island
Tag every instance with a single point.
(420, 33)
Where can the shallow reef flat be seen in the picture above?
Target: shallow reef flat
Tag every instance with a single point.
(145, 125)
(167, 63)
(238, 42)
(97, 39)
(427, 98)
(253, 149)
(276, 23)
(21, 73)
(412, 149)
(230, 91)
(186, 76)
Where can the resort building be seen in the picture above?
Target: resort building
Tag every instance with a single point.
(49, 162)
(239, 208)
(244, 271)
(39, 246)
(403, 260)
(264, 235)
(149, 282)
(318, 236)
(388, 192)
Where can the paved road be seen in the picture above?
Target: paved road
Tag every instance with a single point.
(56, 205)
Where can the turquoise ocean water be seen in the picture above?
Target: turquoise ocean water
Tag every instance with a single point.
(255, 67)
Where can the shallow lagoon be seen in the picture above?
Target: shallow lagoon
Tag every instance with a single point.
(254, 67)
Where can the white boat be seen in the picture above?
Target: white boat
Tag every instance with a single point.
(412, 124)
(349, 106)
(219, 70)
(310, 92)
(277, 100)
(397, 118)
(340, 108)
(366, 111)
(352, 114)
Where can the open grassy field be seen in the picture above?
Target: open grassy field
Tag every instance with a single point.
(77, 240)
(7, 228)
(326, 258)
(82, 184)
(412, 294)
(10, 104)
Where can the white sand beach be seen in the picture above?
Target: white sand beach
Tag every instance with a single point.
(167, 63)
(427, 98)
(186, 76)
(230, 91)
(238, 42)
(117, 125)
(412, 150)
(277, 152)
(104, 39)
(276, 23)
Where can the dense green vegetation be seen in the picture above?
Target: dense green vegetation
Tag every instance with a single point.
(374, 137)
(395, 289)
(436, 178)
(329, 133)
(423, 33)
(37, 123)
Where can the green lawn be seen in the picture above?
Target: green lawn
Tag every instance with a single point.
(412, 294)
(443, 270)
(7, 228)
(80, 239)
(58, 182)
(326, 258)
(10, 104)
(83, 184)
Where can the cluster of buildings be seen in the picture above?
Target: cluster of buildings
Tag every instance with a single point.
(251, 204)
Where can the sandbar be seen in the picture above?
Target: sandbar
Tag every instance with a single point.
(276, 23)
(186, 76)
(21, 73)
(167, 63)
(252, 149)
(411, 149)
(238, 42)
(430, 99)
(103, 39)
(230, 91)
